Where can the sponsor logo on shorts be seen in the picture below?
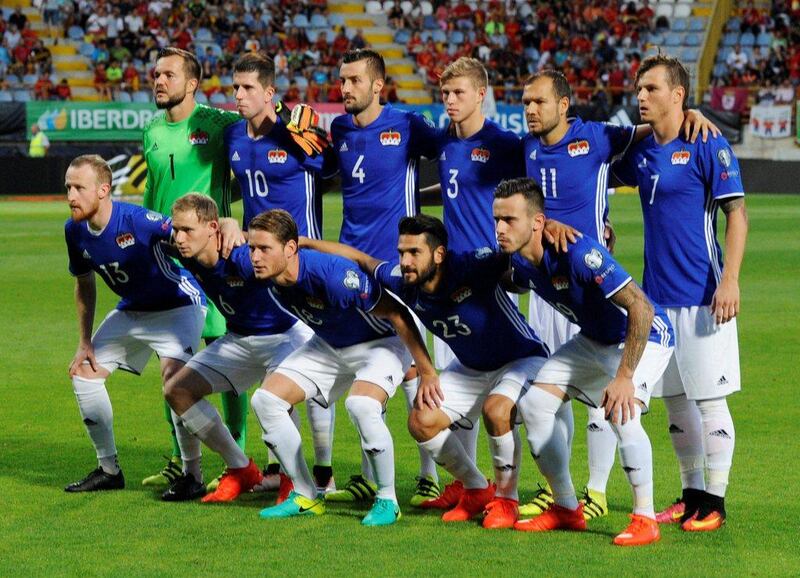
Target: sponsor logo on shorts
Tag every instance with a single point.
(389, 379)
(234, 281)
(629, 469)
(681, 157)
(593, 427)
(390, 138)
(351, 280)
(198, 137)
(643, 386)
(125, 240)
(480, 155)
(277, 156)
(460, 294)
(722, 381)
(593, 259)
(560, 283)
(578, 148)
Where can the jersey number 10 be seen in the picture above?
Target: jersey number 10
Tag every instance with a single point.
(257, 182)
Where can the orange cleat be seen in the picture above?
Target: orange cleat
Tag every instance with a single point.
(501, 513)
(471, 503)
(672, 514)
(449, 498)
(642, 530)
(285, 489)
(235, 481)
(554, 518)
(713, 521)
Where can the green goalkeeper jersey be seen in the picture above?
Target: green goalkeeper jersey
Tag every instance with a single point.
(188, 157)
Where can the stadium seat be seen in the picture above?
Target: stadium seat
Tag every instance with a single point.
(300, 20)
(22, 96)
(319, 21)
(439, 36)
(281, 83)
(402, 36)
(302, 82)
(429, 23)
(764, 39)
(6, 96)
(664, 10)
(673, 39)
(75, 33)
(13, 80)
(218, 98)
(655, 38)
(427, 8)
(86, 49)
(692, 40)
(680, 25)
(682, 10)
(730, 39)
(201, 97)
(312, 34)
(373, 7)
(29, 79)
(456, 37)
(336, 20)
(697, 24)
(126, 96)
(720, 69)
(690, 54)
(203, 35)
(733, 25)
(747, 39)
(425, 35)
(141, 96)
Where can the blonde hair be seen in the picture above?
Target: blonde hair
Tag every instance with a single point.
(472, 68)
(204, 207)
(98, 164)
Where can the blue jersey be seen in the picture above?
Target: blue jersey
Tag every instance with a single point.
(470, 170)
(579, 284)
(130, 258)
(378, 166)
(470, 311)
(274, 173)
(574, 172)
(680, 185)
(334, 297)
(240, 297)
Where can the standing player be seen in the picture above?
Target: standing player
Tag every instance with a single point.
(681, 186)
(378, 149)
(622, 349)
(353, 348)
(161, 307)
(457, 297)
(184, 152)
(275, 173)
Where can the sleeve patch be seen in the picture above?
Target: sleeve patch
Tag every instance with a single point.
(593, 259)
(351, 280)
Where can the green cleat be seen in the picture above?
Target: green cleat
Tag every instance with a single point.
(213, 484)
(383, 513)
(295, 505)
(357, 489)
(594, 504)
(540, 502)
(166, 477)
(427, 489)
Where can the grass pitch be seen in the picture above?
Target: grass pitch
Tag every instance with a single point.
(43, 446)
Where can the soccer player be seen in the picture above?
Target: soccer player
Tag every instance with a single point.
(622, 349)
(185, 153)
(260, 336)
(570, 159)
(458, 298)
(378, 149)
(681, 186)
(274, 172)
(354, 347)
(161, 308)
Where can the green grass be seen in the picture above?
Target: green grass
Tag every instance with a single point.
(43, 446)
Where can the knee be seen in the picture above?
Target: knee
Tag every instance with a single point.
(498, 414)
(266, 404)
(423, 425)
(362, 407)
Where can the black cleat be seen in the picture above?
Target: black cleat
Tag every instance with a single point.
(98, 480)
(184, 489)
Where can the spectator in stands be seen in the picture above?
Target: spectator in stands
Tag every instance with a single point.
(100, 54)
(785, 93)
(51, 14)
(281, 63)
(97, 22)
(389, 91)
(115, 24)
(334, 92)
(39, 144)
(131, 79)
(41, 56)
(63, 90)
(211, 83)
(44, 87)
(118, 51)
(114, 77)
(17, 18)
(341, 43)
(737, 59)
(358, 42)
(462, 14)
(766, 94)
(12, 36)
(313, 92)
(395, 16)
(101, 81)
(752, 19)
(5, 56)
(292, 93)
(134, 22)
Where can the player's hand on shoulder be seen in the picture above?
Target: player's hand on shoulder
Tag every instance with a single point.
(725, 302)
(429, 393)
(560, 235)
(231, 235)
(302, 122)
(85, 353)
(610, 237)
(618, 400)
(696, 123)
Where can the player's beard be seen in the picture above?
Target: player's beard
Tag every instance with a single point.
(546, 128)
(172, 102)
(358, 107)
(425, 275)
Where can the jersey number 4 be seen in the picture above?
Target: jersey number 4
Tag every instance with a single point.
(358, 172)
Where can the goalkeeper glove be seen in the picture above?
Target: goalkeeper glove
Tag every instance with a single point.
(301, 122)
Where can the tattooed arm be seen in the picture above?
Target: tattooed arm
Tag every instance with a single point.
(725, 303)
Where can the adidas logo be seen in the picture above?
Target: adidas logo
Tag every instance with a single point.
(722, 381)
(155, 146)
(629, 469)
(86, 254)
(343, 148)
(235, 156)
(389, 379)
(506, 468)
(643, 386)
(532, 156)
(673, 429)
(535, 456)
(720, 433)
(593, 427)
(189, 350)
(443, 156)
(374, 451)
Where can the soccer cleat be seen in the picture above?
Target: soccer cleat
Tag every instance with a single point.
(427, 489)
(167, 476)
(471, 503)
(213, 484)
(672, 514)
(642, 530)
(554, 518)
(98, 480)
(269, 482)
(383, 513)
(285, 489)
(234, 482)
(184, 489)
(683, 508)
(295, 505)
(542, 499)
(448, 499)
(501, 513)
(710, 516)
(357, 489)
(594, 504)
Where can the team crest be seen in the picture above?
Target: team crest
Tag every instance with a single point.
(593, 259)
(198, 137)
(560, 283)
(483, 252)
(480, 155)
(277, 156)
(315, 303)
(234, 281)
(390, 138)
(351, 280)
(460, 294)
(724, 157)
(681, 157)
(125, 240)
(578, 148)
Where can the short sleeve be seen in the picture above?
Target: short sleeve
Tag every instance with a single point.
(484, 265)
(154, 226)
(592, 264)
(348, 286)
(614, 140)
(425, 137)
(388, 274)
(78, 264)
(721, 169)
(624, 170)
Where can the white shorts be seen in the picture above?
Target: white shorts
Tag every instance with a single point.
(126, 339)
(235, 362)
(550, 325)
(583, 368)
(326, 372)
(706, 361)
(466, 389)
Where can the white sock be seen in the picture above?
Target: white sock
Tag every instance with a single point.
(98, 417)
(506, 456)
(204, 421)
(322, 421)
(565, 420)
(190, 448)
(636, 457)
(469, 440)
(686, 434)
(446, 449)
(282, 437)
(427, 467)
(720, 440)
(601, 445)
(548, 443)
(376, 441)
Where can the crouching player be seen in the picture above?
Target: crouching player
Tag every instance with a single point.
(458, 298)
(623, 348)
(161, 307)
(260, 336)
(353, 348)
